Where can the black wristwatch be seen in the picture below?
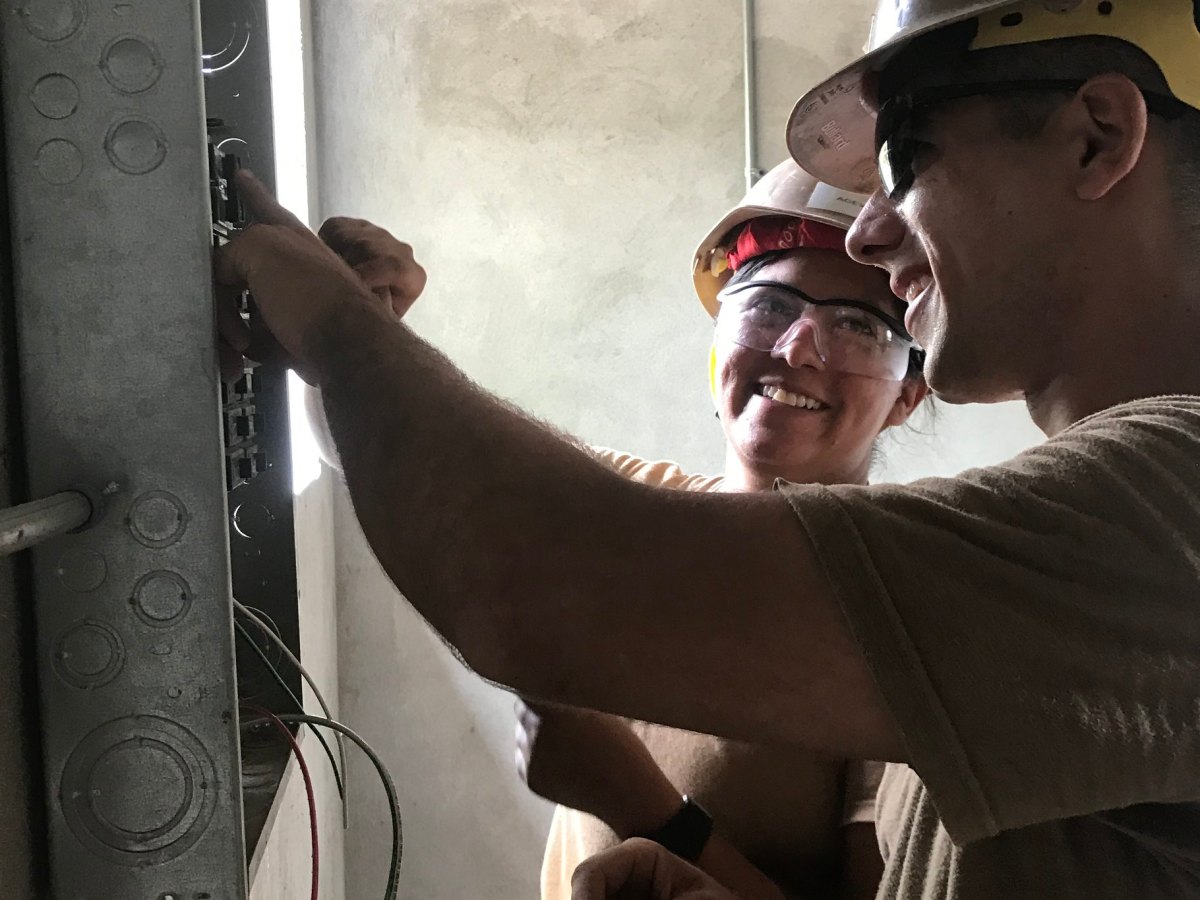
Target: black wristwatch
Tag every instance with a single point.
(686, 833)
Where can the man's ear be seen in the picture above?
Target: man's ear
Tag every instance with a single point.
(1109, 119)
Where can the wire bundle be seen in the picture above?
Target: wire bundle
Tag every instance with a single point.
(287, 735)
(340, 731)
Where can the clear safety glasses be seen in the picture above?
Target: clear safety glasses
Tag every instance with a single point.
(850, 336)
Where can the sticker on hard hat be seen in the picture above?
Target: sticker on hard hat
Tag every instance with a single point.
(827, 197)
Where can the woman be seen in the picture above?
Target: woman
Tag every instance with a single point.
(810, 363)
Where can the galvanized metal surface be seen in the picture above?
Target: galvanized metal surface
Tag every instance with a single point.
(22, 844)
(106, 155)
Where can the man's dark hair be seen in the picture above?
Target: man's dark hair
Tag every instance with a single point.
(1025, 114)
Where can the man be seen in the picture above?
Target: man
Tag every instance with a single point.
(1025, 637)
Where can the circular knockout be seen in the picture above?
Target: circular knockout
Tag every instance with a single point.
(139, 791)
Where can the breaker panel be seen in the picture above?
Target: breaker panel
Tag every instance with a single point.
(123, 123)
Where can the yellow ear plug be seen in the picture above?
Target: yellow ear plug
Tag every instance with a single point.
(712, 371)
(719, 263)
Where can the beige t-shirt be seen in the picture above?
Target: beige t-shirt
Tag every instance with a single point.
(780, 806)
(1035, 629)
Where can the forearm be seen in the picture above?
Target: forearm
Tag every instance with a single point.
(555, 576)
(464, 499)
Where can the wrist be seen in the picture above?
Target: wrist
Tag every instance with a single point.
(647, 810)
(342, 341)
(685, 833)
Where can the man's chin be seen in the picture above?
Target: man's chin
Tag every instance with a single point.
(963, 384)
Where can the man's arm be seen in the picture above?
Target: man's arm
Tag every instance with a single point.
(548, 572)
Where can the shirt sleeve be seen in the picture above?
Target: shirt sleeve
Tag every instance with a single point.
(658, 473)
(1033, 626)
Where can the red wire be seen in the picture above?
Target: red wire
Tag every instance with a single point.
(308, 787)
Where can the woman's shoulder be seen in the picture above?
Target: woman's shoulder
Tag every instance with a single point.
(656, 473)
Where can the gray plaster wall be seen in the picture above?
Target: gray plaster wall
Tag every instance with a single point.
(554, 165)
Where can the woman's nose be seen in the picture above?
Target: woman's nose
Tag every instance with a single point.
(801, 345)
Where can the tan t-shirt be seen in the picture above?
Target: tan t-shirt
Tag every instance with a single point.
(1035, 629)
(781, 807)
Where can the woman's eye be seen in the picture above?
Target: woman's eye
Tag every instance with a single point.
(857, 323)
(771, 307)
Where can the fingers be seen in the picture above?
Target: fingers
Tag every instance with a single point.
(522, 753)
(643, 870)
(404, 280)
(378, 259)
(527, 717)
(588, 882)
(522, 765)
(626, 870)
(262, 206)
(234, 263)
(342, 233)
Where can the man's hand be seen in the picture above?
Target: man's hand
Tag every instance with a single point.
(594, 763)
(643, 870)
(299, 284)
(385, 264)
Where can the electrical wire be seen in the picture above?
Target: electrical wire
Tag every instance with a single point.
(258, 651)
(278, 641)
(389, 787)
(308, 789)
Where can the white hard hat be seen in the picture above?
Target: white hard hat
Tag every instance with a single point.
(787, 190)
(831, 132)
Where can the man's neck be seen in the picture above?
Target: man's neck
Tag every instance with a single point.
(1152, 351)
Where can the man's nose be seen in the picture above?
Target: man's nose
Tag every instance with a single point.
(877, 232)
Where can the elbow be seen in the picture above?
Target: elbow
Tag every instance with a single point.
(497, 650)
(512, 640)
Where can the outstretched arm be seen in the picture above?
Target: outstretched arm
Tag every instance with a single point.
(548, 572)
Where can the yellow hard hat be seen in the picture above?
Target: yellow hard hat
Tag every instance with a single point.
(831, 132)
(787, 190)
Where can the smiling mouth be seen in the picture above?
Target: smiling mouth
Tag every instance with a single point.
(779, 395)
(917, 287)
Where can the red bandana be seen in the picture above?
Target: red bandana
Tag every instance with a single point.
(765, 235)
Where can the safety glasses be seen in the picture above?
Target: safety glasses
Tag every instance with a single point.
(849, 336)
(896, 127)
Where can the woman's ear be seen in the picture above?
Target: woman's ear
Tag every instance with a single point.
(912, 391)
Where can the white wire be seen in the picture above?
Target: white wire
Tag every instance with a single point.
(278, 642)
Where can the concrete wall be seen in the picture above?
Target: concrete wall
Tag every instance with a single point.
(281, 865)
(554, 165)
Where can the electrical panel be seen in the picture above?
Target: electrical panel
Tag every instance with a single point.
(124, 121)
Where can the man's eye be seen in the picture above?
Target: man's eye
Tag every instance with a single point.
(921, 153)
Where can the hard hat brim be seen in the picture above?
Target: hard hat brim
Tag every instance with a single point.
(831, 131)
(708, 285)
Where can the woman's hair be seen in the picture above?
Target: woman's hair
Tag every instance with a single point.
(754, 266)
